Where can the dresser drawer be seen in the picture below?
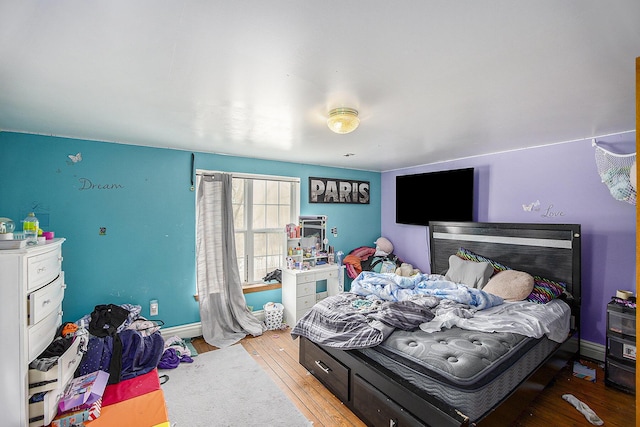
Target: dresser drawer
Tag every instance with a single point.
(327, 370)
(304, 303)
(42, 333)
(306, 277)
(43, 268)
(306, 289)
(43, 407)
(62, 372)
(45, 300)
(332, 274)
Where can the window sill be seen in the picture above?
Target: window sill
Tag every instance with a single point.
(260, 287)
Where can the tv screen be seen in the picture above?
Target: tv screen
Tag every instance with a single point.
(434, 196)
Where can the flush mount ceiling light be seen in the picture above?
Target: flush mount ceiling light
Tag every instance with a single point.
(343, 120)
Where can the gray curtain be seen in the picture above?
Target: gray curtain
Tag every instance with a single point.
(223, 311)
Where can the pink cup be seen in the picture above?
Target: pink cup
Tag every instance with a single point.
(48, 235)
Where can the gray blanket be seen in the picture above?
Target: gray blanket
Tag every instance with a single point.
(349, 321)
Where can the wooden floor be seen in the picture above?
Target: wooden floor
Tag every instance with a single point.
(277, 353)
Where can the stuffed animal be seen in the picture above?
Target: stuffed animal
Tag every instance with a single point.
(406, 270)
(383, 247)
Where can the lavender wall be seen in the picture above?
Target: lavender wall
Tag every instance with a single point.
(564, 179)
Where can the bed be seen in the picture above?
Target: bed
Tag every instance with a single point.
(449, 357)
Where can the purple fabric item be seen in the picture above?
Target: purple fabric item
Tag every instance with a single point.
(171, 360)
(140, 354)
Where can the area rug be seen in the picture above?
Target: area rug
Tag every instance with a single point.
(226, 387)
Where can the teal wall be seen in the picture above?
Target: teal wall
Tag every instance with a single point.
(143, 197)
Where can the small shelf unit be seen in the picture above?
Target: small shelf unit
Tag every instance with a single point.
(307, 243)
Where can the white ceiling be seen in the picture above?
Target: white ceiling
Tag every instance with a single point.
(433, 80)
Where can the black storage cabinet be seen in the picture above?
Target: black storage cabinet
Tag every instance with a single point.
(620, 361)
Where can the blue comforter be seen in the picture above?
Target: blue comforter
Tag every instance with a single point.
(392, 287)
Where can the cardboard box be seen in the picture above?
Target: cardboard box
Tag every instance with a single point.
(83, 391)
(78, 417)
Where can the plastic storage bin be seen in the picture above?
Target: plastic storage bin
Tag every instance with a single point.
(622, 349)
(621, 321)
(620, 375)
(273, 313)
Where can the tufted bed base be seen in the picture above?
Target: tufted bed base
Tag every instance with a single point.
(381, 397)
(473, 390)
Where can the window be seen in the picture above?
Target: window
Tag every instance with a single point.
(262, 207)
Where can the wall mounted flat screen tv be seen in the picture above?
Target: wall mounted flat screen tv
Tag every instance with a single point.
(435, 196)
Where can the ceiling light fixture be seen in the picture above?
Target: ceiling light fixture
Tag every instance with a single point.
(343, 120)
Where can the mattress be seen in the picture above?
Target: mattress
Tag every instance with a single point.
(469, 370)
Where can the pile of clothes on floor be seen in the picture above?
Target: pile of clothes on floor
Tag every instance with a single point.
(176, 351)
(121, 342)
(121, 330)
(117, 377)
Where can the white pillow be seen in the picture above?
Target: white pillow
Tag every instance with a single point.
(470, 273)
(511, 285)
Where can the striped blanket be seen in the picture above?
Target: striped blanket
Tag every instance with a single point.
(348, 321)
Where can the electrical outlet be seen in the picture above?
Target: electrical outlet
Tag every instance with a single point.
(153, 307)
(334, 231)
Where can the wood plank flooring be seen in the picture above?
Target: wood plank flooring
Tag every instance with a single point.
(277, 353)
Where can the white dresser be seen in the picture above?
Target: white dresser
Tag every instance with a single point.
(299, 289)
(31, 293)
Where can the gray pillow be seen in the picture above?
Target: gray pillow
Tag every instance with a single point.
(511, 285)
(470, 273)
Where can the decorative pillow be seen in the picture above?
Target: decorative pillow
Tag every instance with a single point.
(471, 256)
(510, 285)
(544, 290)
(472, 274)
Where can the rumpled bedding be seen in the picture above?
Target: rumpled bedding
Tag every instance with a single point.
(523, 317)
(379, 303)
(392, 287)
(349, 321)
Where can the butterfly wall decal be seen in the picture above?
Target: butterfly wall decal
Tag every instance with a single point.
(532, 206)
(75, 159)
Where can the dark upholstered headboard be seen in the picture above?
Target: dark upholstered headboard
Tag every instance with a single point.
(547, 250)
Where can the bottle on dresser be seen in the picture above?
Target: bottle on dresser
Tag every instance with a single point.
(30, 227)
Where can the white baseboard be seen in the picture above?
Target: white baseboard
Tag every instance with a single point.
(183, 331)
(592, 350)
(195, 329)
(588, 349)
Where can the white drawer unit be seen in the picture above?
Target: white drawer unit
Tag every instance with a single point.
(31, 296)
(300, 289)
